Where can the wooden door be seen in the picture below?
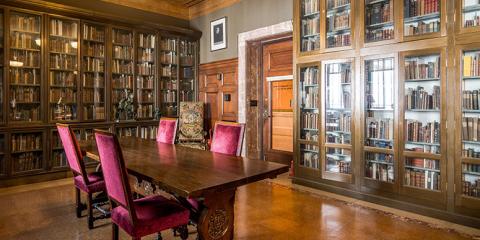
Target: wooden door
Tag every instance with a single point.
(277, 101)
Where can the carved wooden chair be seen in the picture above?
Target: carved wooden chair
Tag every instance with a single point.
(140, 217)
(167, 130)
(89, 183)
(191, 128)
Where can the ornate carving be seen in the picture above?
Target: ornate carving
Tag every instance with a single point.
(218, 223)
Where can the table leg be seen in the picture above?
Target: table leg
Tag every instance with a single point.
(217, 217)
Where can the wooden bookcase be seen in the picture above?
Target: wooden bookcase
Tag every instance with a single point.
(64, 66)
(415, 95)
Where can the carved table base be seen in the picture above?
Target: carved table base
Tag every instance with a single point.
(217, 217)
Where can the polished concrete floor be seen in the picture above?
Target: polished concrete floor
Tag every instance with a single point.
(263, 211)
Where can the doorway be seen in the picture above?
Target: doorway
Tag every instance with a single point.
(277, 95)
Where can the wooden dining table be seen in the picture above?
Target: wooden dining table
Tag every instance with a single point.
(191, 173)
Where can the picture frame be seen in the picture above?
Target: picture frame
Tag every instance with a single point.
(218, 34)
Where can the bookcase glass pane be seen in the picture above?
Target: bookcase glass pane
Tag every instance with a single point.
(310, 25)
(63, 69)
(471, 179)
(421, 17)
(2, 155)
(169, 76)
(422, 173)
(26, 151)
(122, 73)
(338, 23)
(146, 72)
(379, 103)
(309, 156)
(379, 21)
(308, 95)
(25, 63)
(2, 83)
(93, 72)
(338, 160)
(148, 132)
(338, 104)
(422, 103)
(379, 166)
(471, 13)
(126, 132)
(187, 71)
(470, 105)
(58, 158)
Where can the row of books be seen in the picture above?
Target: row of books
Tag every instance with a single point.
(379, 128)
(423, 163)
(418, 131)
(471, 129)
(472, 21)
(148, 132)
(25, 94)
(470, 152)
(419, 98)
(169, 84)
(421, 68)
(310, 6)
(422, 28)
(63, 62)
(94, 33)
(337, 166)
(379, 171)
(93, 96)
(339, 40)
(63, 28)
(61, 45)
(422, 179)
(310, 43)
(24, 76)
(27, 114)
(146, 68)
(25, 59)
(123, 52)
(93, 112)
(471, 65)
(381, 12)
(169, 97)
(59, 159)
(94, 49)
(188, 72)
(471, 179)
(310, 99)
(168, 44)
(145, 111)
(121, 67)
(379, 157)
(145, 82)
(471, 189)
(122, 37)
(25, 22)
(380, 34)
(338, 22)
(310, 26)
(127, 132)
(146, 55)
(309, 120)
(93, 80)
(66, 95)
(26, 142)
(336, 3)
(470, 99)
(336, 121)
(123, 82)
(25, 41)
(342, 69)
(468, 167)
(187, 60)
(93, 65)
(66, 79)
(309, 76)
(27, 162)
(310, 160)
(168, 58)
(65, 112)
(421, 7)
(168, 71)
(339, 138)
(146, 40)
(145, 97)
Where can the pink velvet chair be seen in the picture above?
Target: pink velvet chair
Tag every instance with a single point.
(167, 130)
(228, 138)
(140, 217)
(89, 183)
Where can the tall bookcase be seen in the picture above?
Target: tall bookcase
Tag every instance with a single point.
(409, 138)
(75, 70)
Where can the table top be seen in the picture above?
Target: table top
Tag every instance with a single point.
(185, 171)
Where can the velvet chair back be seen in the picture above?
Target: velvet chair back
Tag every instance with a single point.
(114, 170)
(167, 130)
(72, 150)
(228, 138)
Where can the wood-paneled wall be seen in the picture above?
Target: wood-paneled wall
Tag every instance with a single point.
(218, 83)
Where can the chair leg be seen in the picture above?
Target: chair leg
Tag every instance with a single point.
(90, 211)
(78, 202)
(114, 231)
(183, 232)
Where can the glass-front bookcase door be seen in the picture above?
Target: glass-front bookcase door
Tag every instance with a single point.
(122, 74)
(3, 150)
(309, 117)
(309, 25)
(470, 13)
(93, 72)
(338, 22)
(63, 69)
(26, 152)
(337, 120)
(379, 20)
(422, 120)
(187, 71)
(2, 80)
(421, 17)
(169, 76)
(25, 61)
(146, 74)
(379, 120)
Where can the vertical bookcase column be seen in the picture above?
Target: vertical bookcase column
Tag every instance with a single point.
(169, 72)
(187, 70)
(309, 25)
(146, 58)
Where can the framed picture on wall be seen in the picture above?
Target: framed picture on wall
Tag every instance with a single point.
(218, 34)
